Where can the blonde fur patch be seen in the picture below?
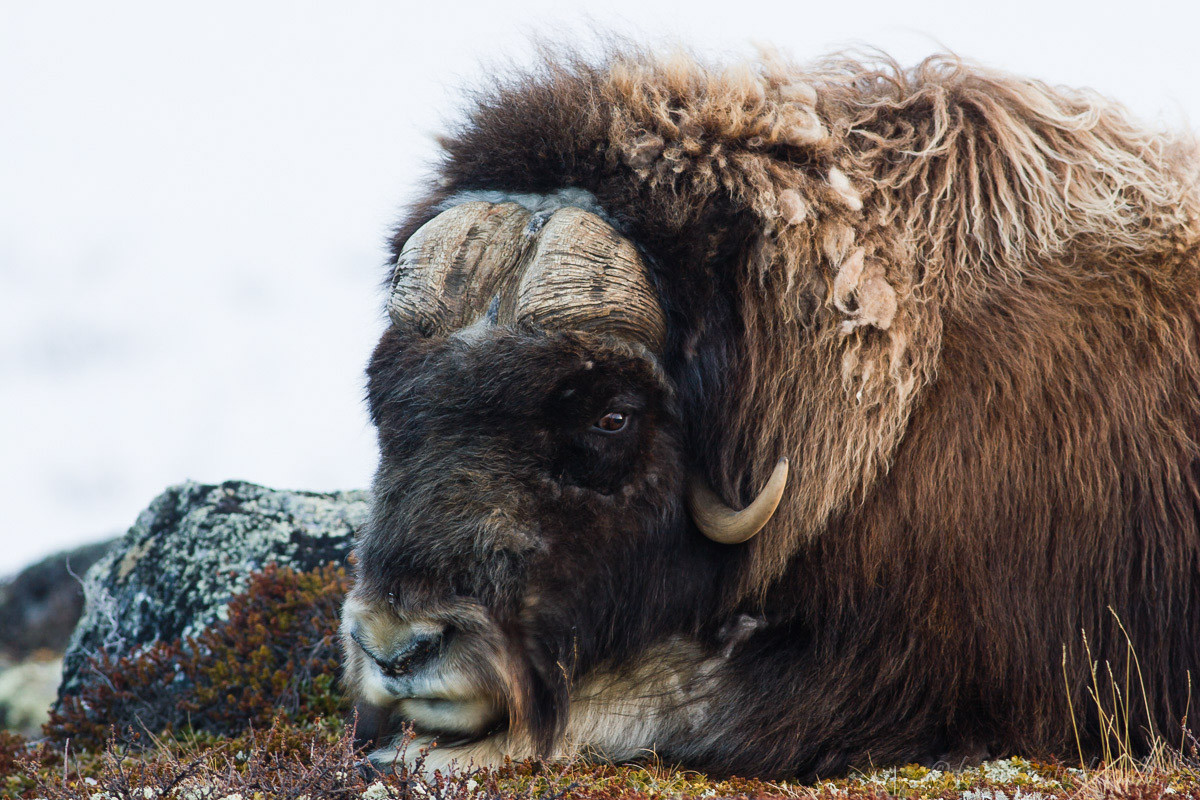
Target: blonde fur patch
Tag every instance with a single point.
(906, 193)
(614, 716)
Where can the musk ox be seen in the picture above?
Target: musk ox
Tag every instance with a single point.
(780, 419)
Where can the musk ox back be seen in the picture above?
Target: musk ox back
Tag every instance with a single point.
(782, 419)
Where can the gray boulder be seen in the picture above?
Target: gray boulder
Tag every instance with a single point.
(190, 552)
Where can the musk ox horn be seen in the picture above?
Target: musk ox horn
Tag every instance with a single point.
(721, 523)
(456, 263)
(568, 270)
(586, 276)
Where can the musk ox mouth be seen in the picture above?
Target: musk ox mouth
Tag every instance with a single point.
(439, 675)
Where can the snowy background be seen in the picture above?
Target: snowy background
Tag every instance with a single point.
(194, 200)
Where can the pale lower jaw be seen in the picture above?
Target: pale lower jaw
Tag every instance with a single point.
(458, 717)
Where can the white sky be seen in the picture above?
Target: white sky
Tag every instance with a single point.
(194, 199)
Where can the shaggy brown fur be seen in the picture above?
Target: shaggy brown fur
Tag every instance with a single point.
(966, 305)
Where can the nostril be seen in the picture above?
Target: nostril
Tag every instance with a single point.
(401, 648)
(418, 651)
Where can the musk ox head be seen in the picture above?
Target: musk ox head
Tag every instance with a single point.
(531, 518)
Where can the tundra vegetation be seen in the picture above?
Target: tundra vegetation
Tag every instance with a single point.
(264, 719)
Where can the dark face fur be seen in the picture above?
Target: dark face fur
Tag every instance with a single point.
(528, 526)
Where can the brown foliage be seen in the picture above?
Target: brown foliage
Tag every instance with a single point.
(11, 748)
(276, 654)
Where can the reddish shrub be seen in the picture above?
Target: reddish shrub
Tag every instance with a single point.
(276, 654)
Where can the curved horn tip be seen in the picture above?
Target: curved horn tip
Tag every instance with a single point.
(723, 524)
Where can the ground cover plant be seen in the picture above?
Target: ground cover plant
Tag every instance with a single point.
(275, 655)
(250, 710)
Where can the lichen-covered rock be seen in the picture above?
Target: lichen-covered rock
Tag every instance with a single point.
(190, 552)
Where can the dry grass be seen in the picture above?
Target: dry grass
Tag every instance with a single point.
(317, 763)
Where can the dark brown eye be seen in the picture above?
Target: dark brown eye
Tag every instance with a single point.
(612, 422)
